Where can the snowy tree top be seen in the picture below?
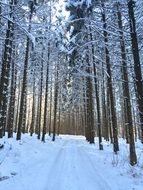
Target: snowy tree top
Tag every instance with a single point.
(78, 3)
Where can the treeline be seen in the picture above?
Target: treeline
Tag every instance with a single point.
(75, 75)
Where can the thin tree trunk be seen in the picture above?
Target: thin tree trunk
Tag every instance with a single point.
(46, 98)
(17, 107)
(111, 95)
(55, 105)
(32, 126)
(50, 114)
(40, 103)
(22, 111)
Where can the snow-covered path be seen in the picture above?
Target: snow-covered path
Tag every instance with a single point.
(74, 170)
(70, 163)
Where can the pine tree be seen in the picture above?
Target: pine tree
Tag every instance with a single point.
(22, 111)
(109, 81)
(5, 70)
(126, 93)
(137, 64)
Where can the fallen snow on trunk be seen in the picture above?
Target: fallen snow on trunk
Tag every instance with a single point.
(69, 163)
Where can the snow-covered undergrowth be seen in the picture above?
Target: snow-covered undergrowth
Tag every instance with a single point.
(69, 163)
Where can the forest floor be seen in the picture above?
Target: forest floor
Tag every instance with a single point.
(69, 163)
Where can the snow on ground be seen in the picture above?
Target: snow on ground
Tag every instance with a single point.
(69, 163)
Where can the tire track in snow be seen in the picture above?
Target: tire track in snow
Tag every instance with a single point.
(55, 173)
(91, 170)
(74, 170)
(42, 171)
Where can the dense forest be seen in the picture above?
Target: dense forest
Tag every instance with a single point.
(72, 67)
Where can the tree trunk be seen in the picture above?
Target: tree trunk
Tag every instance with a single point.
(22, 111)
(5, 70)
(126, 93)
(50, 114)
(11, 110)
(32, 127)
(112, 101)
(46, 98)
(89, 104)
(137, 64)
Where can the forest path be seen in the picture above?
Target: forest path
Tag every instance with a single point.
(74, 170)
(69, 163)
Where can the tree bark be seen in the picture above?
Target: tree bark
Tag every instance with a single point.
(126, 92)
(111, 95)
(137, 64)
